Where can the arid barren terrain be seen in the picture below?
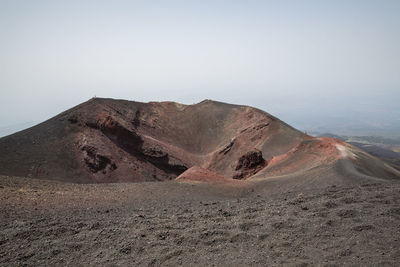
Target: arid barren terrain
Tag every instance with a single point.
(106, 140)
(117, 182)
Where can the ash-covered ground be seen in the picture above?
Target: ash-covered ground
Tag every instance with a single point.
(172, 223)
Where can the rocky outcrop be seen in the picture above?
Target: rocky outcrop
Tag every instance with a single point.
(123, 137)
(158, 157)
(97, 162)
(226, 149)
(133, 143)
(249, 164)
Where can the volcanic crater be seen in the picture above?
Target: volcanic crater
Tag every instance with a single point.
(107, 140)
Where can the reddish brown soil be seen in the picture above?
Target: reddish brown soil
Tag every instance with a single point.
(200, 175)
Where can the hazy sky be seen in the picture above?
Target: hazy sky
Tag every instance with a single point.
(298, 60)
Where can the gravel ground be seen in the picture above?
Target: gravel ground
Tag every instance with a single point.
(51, 223)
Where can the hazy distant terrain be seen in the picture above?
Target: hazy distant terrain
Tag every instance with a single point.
(384, 148)
(373, 119)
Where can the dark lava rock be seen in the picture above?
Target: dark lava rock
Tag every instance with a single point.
(249, 164)
(97, 162)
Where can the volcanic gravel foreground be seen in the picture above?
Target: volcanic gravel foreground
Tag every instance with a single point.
(115, 182)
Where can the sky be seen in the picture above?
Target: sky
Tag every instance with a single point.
(306, 62)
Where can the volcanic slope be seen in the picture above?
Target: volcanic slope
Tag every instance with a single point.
(106, 140)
